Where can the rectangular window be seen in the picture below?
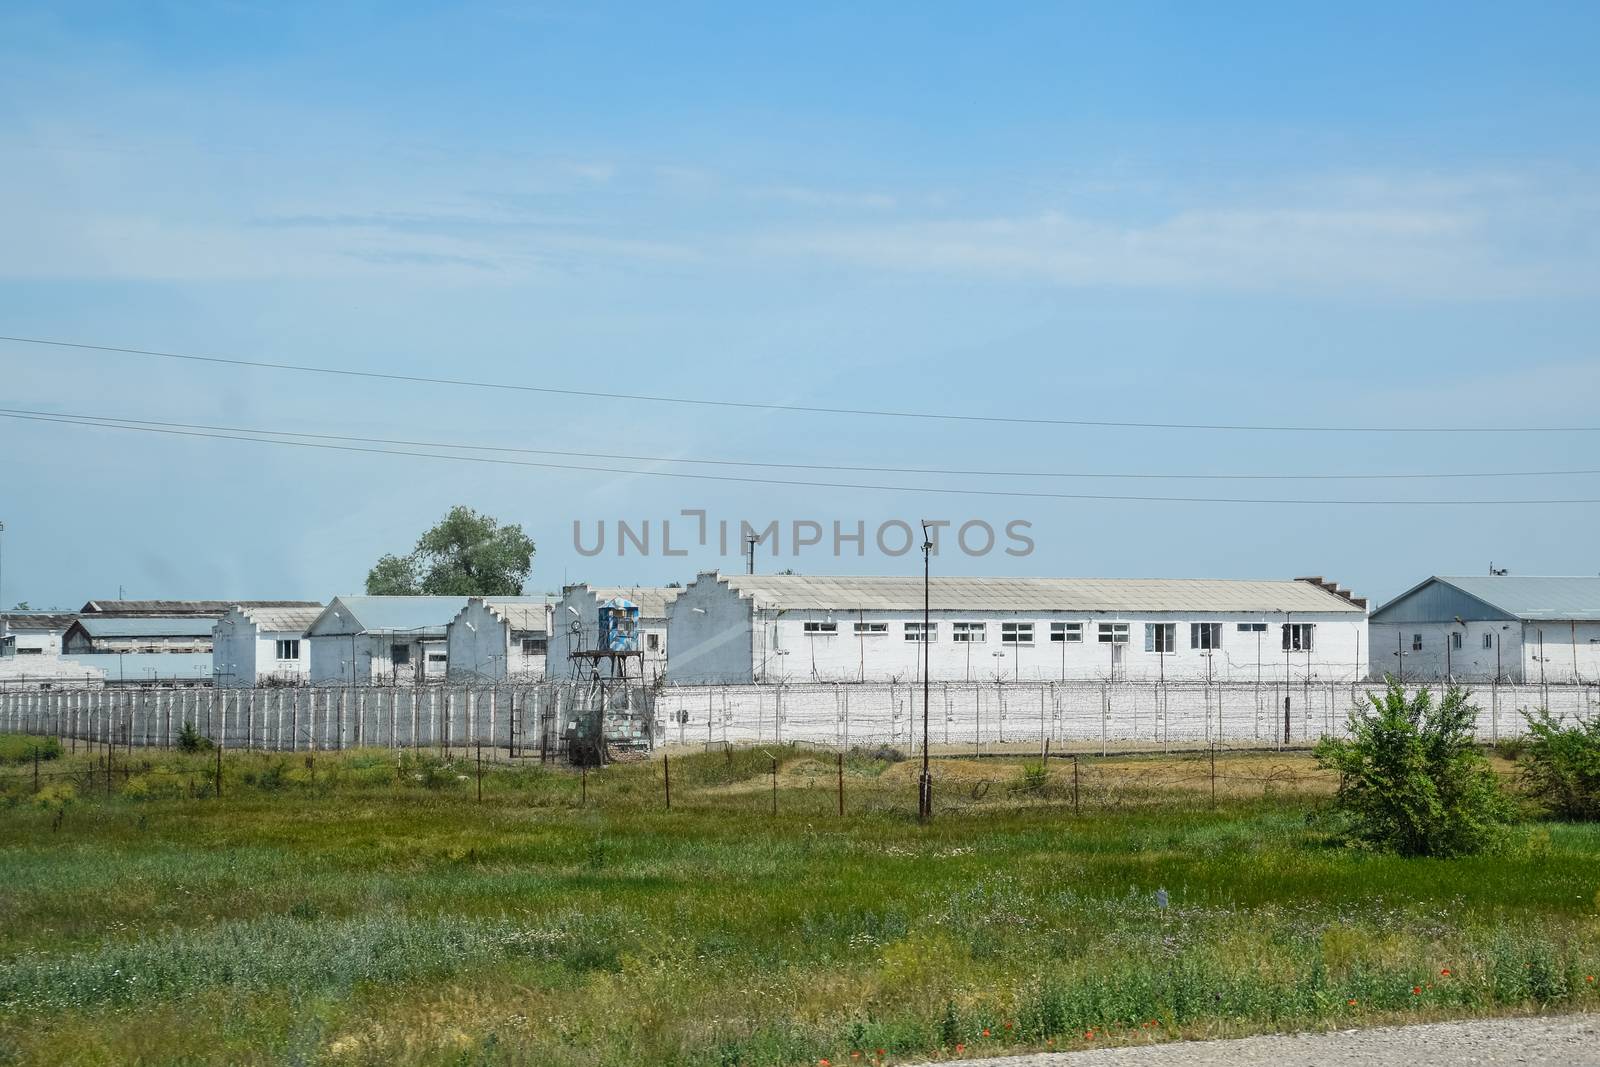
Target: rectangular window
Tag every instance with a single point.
(1297, 636)
(1252, 627)
(399, 654)
(1113, 633)
(534, 646)
(914, 631)
(1160, 637)
(1070, 632)
(820, 629)
(288, 649)
(652, 642)
(1016, 633)
(975, 633)
(1416, 642)
(30, 651)
(1488, 640)
(869, 629)
(436, 657)
(1205, 635)
(1455, 640)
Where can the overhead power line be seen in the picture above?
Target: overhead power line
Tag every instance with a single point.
(807, 409)
(748, 480)
(115, 420)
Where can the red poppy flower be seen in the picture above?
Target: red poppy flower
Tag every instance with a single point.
(824, 1063)
(1445, 973)
(880, 1052)
(1416, 991)
(985, 1031)
(1351, 1002)
(960, 1047)
(1088, 1035)
(1008, 1026)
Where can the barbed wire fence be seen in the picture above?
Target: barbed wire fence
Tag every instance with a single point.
(522, 720)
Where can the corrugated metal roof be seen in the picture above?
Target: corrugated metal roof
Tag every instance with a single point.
(523, 614)
(652, 600)
(283, 620)
(1112, 595)
(413, 614)
(21, 622)
(140, 626)
(136, 666)
(1532, 597)
(422, 615)
(184, 607)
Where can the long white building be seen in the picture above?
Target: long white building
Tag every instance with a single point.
(733, 629)
(1510, 628)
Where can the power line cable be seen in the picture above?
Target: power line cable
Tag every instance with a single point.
(806, 409)
(941, 490)
(842, 468)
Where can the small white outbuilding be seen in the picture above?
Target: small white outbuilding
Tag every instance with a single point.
(254, 646)
(495, 639)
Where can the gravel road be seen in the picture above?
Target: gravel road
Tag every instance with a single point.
(1558, 1041)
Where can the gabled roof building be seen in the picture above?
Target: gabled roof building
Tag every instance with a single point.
(255, 646)
(387, 640)
(1511, 628)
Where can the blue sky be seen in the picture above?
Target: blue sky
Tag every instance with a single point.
(1243, 213)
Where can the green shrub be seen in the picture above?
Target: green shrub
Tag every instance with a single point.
(1033, 779)
(20, 748)
(1561, 766)
(1511, 748)
(191, 740)
(1411, 780)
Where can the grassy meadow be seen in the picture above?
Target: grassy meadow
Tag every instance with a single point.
(364, 909)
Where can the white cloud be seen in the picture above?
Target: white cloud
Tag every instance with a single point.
(1497, 238)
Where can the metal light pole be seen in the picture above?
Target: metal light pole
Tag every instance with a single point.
(925, 785)
(2, 566)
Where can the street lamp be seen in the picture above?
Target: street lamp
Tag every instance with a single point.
(925, 784)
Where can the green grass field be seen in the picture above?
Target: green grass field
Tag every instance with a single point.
(369, 910)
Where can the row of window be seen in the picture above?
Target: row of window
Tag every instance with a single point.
(399, 654)
(1158, 636)
(1455, 641)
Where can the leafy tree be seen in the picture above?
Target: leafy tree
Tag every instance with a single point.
(466, 554)
(1411, 780)
(1561, 766)
(393, 576)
